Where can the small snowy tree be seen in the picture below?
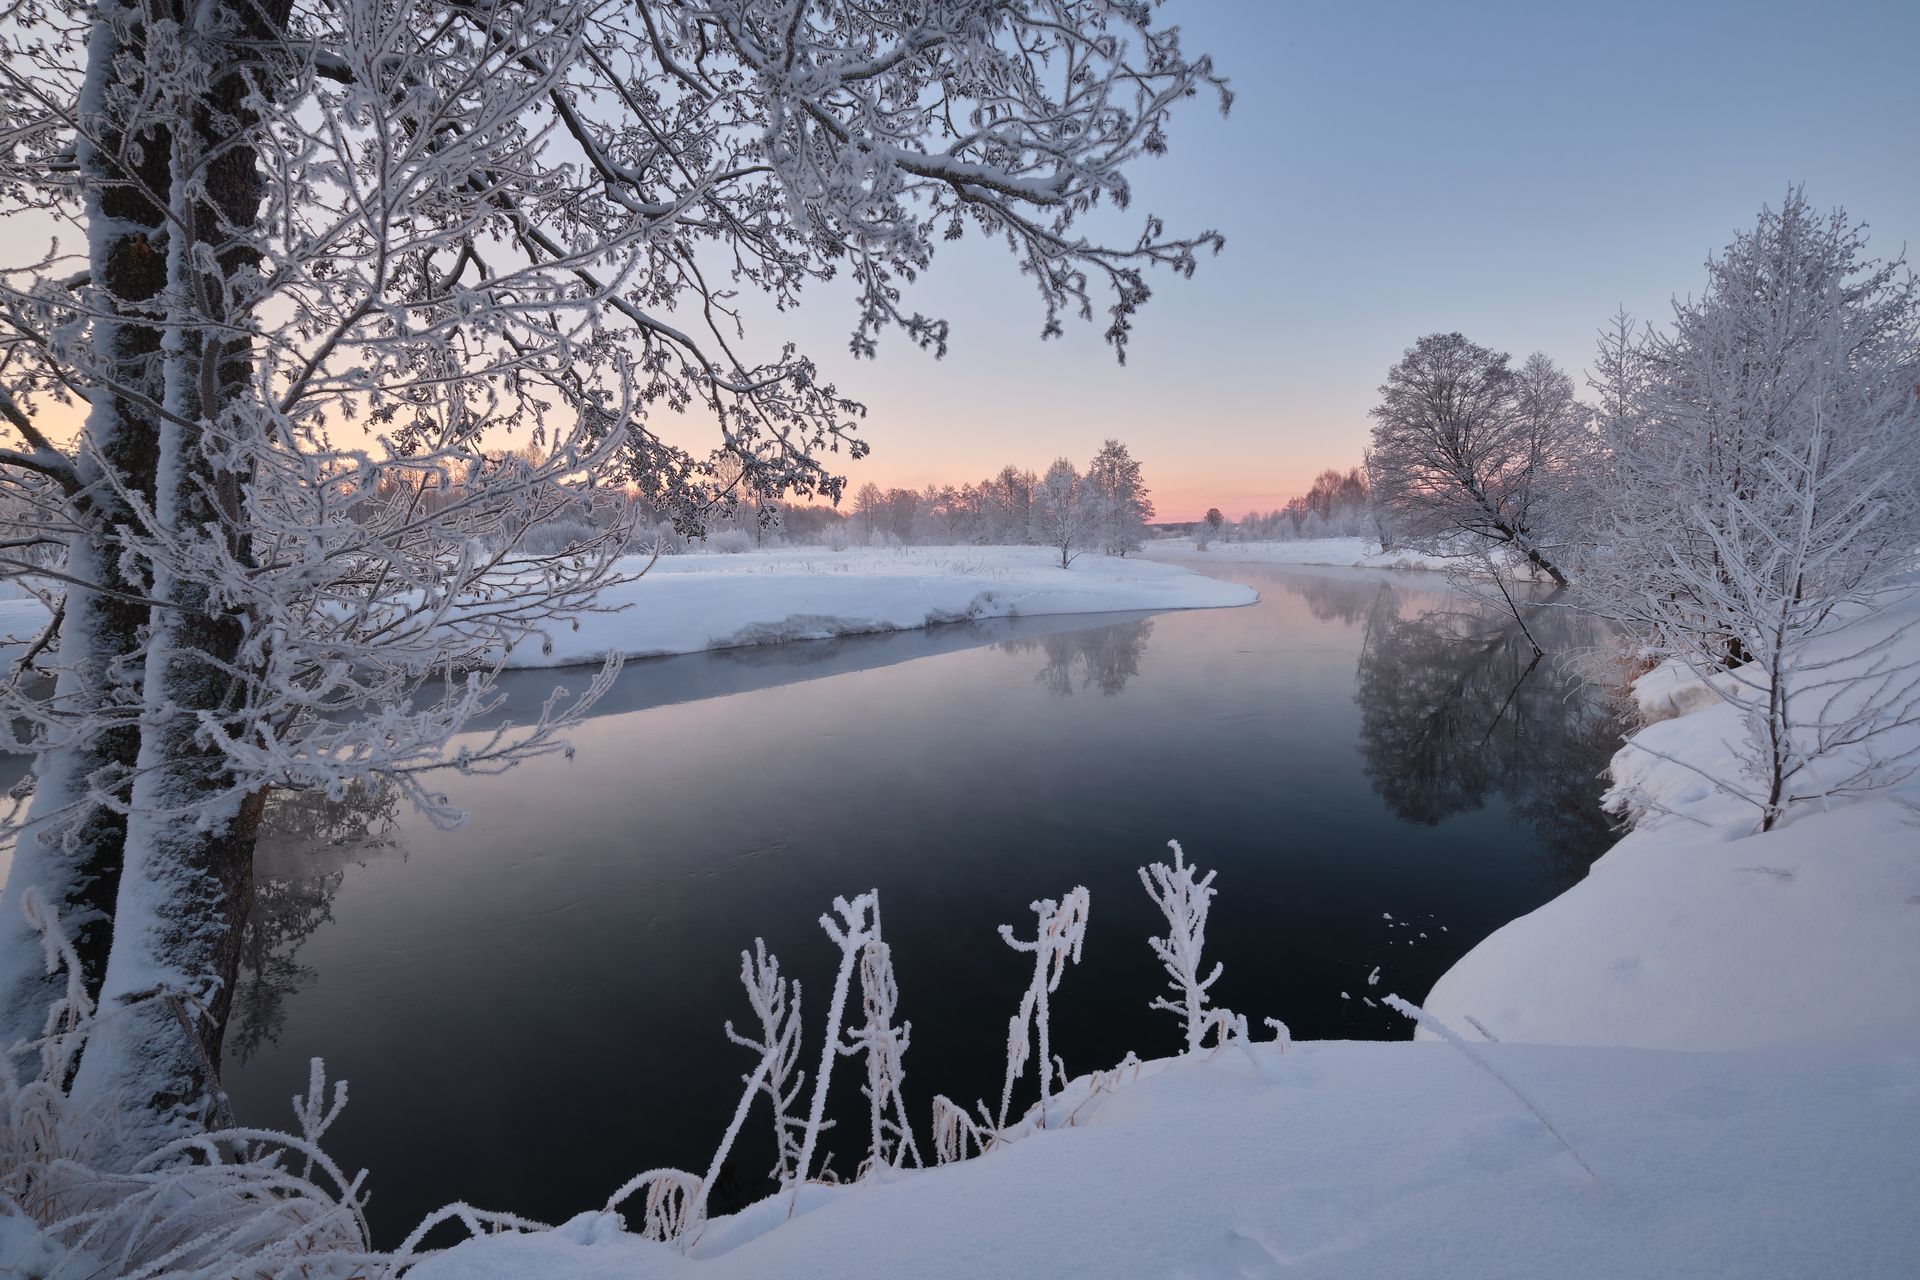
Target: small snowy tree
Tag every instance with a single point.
(1767, 492)
(1114, 480)
(1067, 514)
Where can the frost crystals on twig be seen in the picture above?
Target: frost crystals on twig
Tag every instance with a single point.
(1062, 927)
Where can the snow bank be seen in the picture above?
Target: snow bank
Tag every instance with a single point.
(1357, 1159)
(1694, 932)
(1360, 553)
(689, 603)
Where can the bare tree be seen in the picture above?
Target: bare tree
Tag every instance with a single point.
(1466, 449)
(332, 246)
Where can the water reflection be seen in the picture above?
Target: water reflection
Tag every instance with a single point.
(1457, 706)
(1104, 658)
(307, 842)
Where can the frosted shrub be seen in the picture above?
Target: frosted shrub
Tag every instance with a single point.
(1185, 900)
(779, 1050)
(857, 926)
(558, 535)
(884, 1045)
(234, 1201)
(954, 1131)
(1061, 928)
(729, 542)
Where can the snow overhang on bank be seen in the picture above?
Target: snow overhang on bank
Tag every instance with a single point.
(686, 604)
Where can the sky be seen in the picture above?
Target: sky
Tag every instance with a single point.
(1514, 171)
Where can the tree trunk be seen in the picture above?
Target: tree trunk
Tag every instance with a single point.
(188, 871)
(71, 848)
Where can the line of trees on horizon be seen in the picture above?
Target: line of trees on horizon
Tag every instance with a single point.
(1107, 508)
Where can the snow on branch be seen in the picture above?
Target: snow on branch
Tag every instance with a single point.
(885, 1045)
(1060, 929)
(857, 926)
(1184, 898)
(776, 1073)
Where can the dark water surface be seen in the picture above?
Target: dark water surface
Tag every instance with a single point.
(529, 1011)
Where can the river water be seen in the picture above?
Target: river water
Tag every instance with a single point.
(529, 1010)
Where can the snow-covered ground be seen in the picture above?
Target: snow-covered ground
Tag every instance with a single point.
(1361, 553)
(1360, 1160)
(688, 603)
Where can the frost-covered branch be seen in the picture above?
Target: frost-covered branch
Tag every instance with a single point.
(1060, 928)
(1184, 898)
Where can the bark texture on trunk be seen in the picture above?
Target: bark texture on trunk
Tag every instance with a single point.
(71, 852)
(188, 870)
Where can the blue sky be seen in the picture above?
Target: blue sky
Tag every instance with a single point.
(1514, 171)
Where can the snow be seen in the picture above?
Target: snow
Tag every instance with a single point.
(689, 603)
(1360, 553)
(1347, 1159)
(1694, 932)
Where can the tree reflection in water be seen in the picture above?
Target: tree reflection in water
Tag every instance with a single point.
(307, 842)
(1457, 706)
(1102, 658)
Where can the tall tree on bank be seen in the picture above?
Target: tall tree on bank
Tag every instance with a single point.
(1114, 480)
(1466, 448)
(332, 250)
(1761, 485)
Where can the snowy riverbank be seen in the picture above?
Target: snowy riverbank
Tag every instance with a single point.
(1783, 1141)
(688, 603)
(1346, 1159)
(1355, 553)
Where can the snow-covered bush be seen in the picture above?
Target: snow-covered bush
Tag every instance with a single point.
(1761, 489)
(552, 537)
(234, 1201)
(729, 542)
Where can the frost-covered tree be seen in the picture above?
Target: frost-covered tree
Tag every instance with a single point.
(307, 264)
(1763, 487)
(1114, 480)
(1465, 448)
(1067, 514)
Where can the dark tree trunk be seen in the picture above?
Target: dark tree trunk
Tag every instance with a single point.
(72, 852)
(188, 871)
